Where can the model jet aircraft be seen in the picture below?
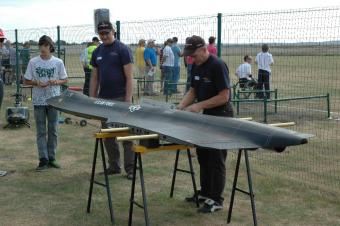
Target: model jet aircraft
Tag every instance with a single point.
(178, 126)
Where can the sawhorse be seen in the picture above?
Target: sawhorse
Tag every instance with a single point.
(139, 150)
(250, 193)
(104, 134)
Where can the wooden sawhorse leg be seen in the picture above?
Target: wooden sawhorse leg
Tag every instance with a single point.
(250, 186)
(138, 157)
(190, 171)
(93, 181)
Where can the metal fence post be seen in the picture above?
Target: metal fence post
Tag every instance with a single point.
(328, 106)
(237, 103)
(58, 40)
(275, 93)
(17, 61)
(219, 34)
(265, 108)
(118, 30)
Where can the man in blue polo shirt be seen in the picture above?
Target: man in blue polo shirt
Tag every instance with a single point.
(112, 71)
(150, 57)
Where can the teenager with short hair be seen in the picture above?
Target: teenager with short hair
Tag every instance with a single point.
(46, 74)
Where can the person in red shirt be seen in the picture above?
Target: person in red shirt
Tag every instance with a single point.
(212, 47)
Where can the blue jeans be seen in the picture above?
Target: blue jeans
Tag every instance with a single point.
(176, 77)
(46, 140)
(169, 78)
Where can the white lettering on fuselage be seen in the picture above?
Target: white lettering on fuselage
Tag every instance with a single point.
(133, 108)
(105, 103)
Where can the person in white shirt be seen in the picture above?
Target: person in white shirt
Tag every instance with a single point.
(243, 72)
(46, 74)
(264, 59)
(168, 67)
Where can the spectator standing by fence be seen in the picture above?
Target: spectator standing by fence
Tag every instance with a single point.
(168, 67)
(2, 39)
(188, 61)
(25, 57)
(12, 61)
(86, 60)
(212, 47)
(263, 60)
(150, 57)
(139, 57)
(177, 63)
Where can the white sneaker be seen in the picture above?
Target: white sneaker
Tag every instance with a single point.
(210, 206)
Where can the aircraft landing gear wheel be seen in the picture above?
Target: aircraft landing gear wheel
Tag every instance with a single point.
(83, 123)
(68, 121)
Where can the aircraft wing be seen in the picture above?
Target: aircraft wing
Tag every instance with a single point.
(179, 126)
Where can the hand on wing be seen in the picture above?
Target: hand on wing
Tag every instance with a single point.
(179, 107)
(194, 108)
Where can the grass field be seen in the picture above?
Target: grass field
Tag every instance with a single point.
(298, 187)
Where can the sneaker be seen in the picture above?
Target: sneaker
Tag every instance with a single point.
(201, 199)
(110, 171)
(43, 165)
(210, 206)
(54, 164)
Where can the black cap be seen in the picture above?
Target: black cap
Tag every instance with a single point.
(46, 40)
(193, 43)
(105, 26)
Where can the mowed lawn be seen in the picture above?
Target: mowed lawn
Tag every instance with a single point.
(298, 187)
(59, 197)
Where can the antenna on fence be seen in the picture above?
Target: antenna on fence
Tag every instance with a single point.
(100, 15)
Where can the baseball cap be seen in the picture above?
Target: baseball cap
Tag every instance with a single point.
(105, 26)
(193, 43)
(150, 41)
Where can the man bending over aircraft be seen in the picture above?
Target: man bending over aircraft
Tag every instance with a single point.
(210, 86)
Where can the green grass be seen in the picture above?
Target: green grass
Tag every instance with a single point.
(293, 188)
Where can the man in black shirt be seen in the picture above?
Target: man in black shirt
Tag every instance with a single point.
(210, 87)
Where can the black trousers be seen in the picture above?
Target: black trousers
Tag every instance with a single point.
(213, 167)
(263, 80)
(86, 89)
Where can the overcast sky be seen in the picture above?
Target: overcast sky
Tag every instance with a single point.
(48, 13)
